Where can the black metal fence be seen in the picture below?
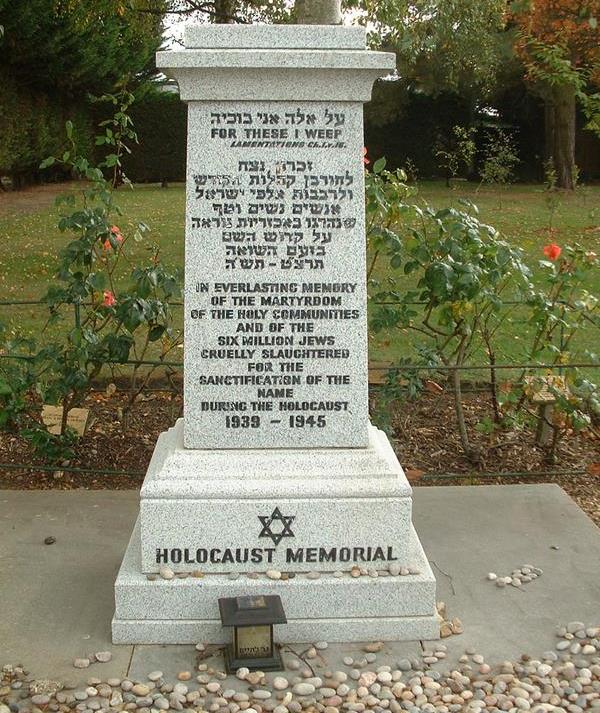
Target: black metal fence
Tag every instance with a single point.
(376, 369)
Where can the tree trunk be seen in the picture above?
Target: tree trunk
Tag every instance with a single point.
(548, 127)
(563, 153)
(225, 11)
(318, 12)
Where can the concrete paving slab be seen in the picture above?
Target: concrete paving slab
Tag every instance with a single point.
(57, 600)
(470, 531)
(173, 659)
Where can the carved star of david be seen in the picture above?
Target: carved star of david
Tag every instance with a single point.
(268, 520)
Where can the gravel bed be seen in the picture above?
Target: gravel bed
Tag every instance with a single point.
(565, 679)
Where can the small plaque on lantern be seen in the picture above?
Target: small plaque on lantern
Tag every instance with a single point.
(252, 619)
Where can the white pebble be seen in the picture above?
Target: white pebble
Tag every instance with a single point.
(303, 689)
(261, 694)
(522, 704)
(166, 572)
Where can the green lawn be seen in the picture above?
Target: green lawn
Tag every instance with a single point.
(29, 243)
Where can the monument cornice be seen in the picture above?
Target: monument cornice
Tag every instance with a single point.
(268, 63)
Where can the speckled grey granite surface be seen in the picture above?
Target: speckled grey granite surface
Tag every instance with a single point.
(260, 62)
(405, 628)
(275, 281)
(275, 276)
(336, 498)
(336, 608)
(179, 472)
(275, 466)
(274, 37)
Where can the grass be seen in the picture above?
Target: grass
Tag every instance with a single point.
(30, 241)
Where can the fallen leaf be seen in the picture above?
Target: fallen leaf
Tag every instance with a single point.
(414, 474)
(433, 387)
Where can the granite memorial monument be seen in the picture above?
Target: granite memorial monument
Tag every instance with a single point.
(274, 482)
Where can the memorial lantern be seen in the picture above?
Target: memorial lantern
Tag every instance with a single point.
(252, 619)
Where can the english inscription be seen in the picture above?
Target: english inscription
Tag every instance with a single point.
(265, 555)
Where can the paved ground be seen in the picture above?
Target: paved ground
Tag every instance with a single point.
(57, 600)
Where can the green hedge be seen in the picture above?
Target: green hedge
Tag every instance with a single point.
(160, 120)
(32, 126)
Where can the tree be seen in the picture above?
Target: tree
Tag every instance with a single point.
(442, 45)
(559, 41)
(75, 48)
(324, 12)
(305, 12)
(219, 11)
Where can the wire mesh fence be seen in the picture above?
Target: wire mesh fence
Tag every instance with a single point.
(373, 368)
(378, 372)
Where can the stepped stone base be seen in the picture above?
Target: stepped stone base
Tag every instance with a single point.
(185, 611)
(198, 504)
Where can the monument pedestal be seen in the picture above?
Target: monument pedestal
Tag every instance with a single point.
(300, 509)
(334, 608)
(205, 512)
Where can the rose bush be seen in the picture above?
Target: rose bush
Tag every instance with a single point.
(117, 318)
(459, 272)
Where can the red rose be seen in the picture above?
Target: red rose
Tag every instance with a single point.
(116, 231)
(552, 251)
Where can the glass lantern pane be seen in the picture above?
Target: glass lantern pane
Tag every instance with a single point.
(253, 641)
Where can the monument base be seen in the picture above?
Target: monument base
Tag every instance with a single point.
(334, 607)
(209, 509)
